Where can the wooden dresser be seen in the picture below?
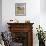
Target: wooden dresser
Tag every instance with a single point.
(22, 33)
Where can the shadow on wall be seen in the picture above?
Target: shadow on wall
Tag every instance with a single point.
(0, 15)
(43, 6)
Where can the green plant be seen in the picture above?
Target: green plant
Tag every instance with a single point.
(40, 34)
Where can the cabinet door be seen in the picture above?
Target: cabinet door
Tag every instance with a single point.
(20, 37)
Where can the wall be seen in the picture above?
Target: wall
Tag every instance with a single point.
(43, 6)
(33, 13)
(0, 15)
(43, 14)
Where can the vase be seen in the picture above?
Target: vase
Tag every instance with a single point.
(41, 43)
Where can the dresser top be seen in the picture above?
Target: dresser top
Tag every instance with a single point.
(19, 23)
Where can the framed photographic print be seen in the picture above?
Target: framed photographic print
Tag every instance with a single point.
(20, 9)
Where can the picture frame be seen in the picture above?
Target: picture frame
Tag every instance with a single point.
(20, 9)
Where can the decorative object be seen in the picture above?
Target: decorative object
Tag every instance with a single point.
(20, 9)
(27, 21)
(13, 21)
(41, 36)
